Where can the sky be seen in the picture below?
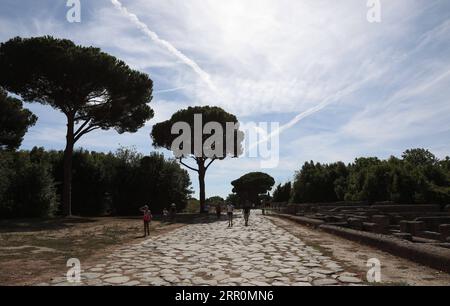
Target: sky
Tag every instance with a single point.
(339, 86)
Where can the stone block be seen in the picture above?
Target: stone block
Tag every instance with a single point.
(382, 223)
(370, 227)
(405, 236)
(355, 223)
(381, 220)
(375, 228)
(372, 212)
(444, 230)
(432, 223)
(430, 235)
(405, 227)
(412, 227)
(417, 227)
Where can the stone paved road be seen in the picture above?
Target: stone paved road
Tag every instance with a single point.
(212, 254)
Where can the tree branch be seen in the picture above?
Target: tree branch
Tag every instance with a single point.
(82, 127)
(97, 95)
(85, 131)
(210, 163)
(187, 166)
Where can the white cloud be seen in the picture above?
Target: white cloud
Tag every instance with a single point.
(164, 43)
(164, 110)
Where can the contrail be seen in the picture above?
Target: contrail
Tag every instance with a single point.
(203, 74)
(293, 122)
(311, 111)
(167, 45)
(349, 89)
(170, 90)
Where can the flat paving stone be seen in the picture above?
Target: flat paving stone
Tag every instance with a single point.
(301, 284)
(132, 283)
(349, 279)
(91, 275)
(272, 274)
(325, 282)
(117, 280)
(250, 275)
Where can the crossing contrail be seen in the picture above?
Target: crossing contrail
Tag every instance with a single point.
(311, 111)
(203, 74)
(291, 123)
(165, 44)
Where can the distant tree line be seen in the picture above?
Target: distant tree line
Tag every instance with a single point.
(417, 177)
(117, 183)
(233, 198)
(215, 200)
(282, 193)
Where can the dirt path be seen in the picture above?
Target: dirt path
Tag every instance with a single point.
(354, 256)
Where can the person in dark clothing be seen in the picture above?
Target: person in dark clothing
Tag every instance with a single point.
(218, 211)
(246, 211)
(173, 212)
(230, 210)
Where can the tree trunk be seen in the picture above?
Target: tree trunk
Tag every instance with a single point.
(201, 180)
(68, 152)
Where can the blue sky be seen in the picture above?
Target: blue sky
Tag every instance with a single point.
(376, 89)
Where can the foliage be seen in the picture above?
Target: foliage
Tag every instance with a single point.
(216, 200)
(27, 188)
(418, 177)
(282, 193)
(193, 206)
(103, 183)
(14, 121)
(148, 180)
(82, 82)
(252, 185)
(233, 198)
(320, 183)
(92, 89)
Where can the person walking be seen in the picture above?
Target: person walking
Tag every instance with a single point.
(173, 212)
(218, 211)
(147, 219)
(230, 210)
(165, 215)
(246, 211)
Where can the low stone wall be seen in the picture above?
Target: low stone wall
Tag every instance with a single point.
(303, 220)
(429, 255)
(433, 223)
(406, 208)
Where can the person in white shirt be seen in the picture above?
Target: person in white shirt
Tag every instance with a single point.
(230, 209)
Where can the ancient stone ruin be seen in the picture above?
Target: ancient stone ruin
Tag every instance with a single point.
(423, 224)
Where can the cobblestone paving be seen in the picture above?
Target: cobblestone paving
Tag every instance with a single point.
(212, 254)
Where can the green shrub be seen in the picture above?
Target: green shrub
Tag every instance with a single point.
(26, 188)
